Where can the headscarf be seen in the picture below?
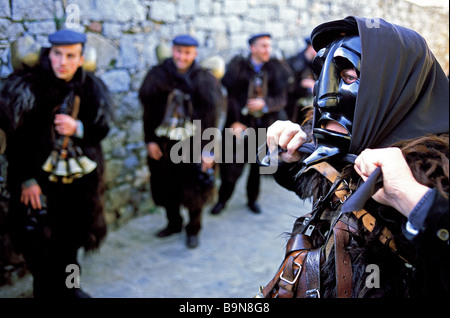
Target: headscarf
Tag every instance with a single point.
(403, 91)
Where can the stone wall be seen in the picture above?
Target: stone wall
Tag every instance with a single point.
(125, 34)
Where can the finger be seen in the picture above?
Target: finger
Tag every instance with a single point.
(35, 202)
(295, 143)
(24, 199)
(290, 157)
(358, 171)
(287, 134)
(273, 134)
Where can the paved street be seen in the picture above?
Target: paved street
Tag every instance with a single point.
(238, 252)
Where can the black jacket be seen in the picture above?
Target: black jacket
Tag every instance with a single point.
(237, 77)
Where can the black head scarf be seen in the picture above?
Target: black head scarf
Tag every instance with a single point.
(403, 91)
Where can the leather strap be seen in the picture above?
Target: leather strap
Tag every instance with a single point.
(74, 115)
(298, 242)
(287, 277)
(368, 220)
(343, 263)
(312, 269)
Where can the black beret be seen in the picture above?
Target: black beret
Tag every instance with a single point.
(66, 37)
(185, 40)
(255, 37)
(307, 40)
(327, 32)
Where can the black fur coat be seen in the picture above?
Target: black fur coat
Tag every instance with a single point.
(32, 97)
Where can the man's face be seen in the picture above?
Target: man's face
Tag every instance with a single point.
(183, 57)
(261, 49)
(65, 60)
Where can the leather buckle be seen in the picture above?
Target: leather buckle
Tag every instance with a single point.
(296, 275)
(312, 293)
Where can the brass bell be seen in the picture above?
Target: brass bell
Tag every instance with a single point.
(67, 180)
(90, 59)
(87, 164)
(61, 168)
(52, 178)
(24, 51)
(74, 168)
(215, 64)
(179, 133)
(163, 52)
(49, 164)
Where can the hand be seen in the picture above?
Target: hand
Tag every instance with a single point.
(65, 125)
(154, 151)
(400, 189)
(308, 83)
(207, 163)
(288, 136)
(255, 104)
(32, 195)
(238, 128)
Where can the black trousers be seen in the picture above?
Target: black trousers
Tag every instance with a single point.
(49, 239)
(169, 183)
(175, 220)
(230, 173)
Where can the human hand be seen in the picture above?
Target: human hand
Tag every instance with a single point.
(255, 104)
(207, 163)
(308, 83)
(400, 189)
(32, 194)
(65, 125)
(154, 151)
(238, 128)
(289, 136)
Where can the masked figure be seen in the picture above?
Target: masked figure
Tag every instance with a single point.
(376, 87)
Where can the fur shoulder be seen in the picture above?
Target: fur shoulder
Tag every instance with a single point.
(238, 73)
(102, 95)
(157, 80)
(280, 73)
(17, 94)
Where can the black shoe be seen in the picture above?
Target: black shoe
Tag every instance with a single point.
(192, 241)
(217, 208)
(167, 232)
(254, 207)
(80, 293)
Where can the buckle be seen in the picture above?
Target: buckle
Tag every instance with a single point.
(312, 293)
(348, 194)
(296, 275)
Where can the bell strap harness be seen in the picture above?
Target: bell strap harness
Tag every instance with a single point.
(299, 274)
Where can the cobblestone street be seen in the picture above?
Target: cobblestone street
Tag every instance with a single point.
(238, 252)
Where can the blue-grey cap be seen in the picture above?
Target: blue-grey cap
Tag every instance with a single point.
(255, 37)
(185, 40)
(66, 37)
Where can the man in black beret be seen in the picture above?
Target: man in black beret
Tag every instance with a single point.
(60, 114)
(173, 95)
(257, 88)
(301, 90)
